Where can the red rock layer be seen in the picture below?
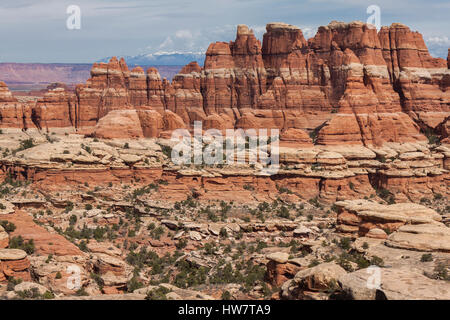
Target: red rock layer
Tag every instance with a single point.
(56, 109)
(357, 86)
(12, 113)
(421, 80)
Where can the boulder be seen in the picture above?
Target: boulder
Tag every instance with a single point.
(393, 284)
(421, 237)
(119, 124)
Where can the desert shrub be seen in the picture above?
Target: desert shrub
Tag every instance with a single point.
(248, 187)
(315, 202)
(8, 226)
(437, 196)
(157, 233)
(69, 207)
(283, 212)
(344, 243)
(12, 282)
(134, 284)
(386, 195)
(157, 294)
(344, 261)
(33, 293)
(226, 295)
(441, 272)
(426, 257)
(81, 292)
(167, 151)
(223, 233)
(377, 261)
(26, 144)
(190, 275)
(182, 243)
(72, 220)
(313, 263)
(19, 243)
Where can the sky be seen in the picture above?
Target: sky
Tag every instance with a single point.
(36, 31)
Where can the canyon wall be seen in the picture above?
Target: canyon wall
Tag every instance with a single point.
(346, 85)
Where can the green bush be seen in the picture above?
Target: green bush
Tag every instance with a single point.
(226, 295)
(426, 257)
(26, 144)
(157, 294)
(8, 226)
(19, 243)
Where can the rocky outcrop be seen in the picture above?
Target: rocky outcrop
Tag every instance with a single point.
(13, 114)
(54, 110)
(360, 216)
(347, 85)
(421, 237)
(4, 238)
(119, 124)
(279, 268)
(420, 79)
(45, 242)
(395, 284)
(14, 263)
(313, 283)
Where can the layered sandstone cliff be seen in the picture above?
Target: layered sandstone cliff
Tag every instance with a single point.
(346, 85)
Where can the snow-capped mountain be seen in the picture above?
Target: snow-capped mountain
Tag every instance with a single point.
(164, 58)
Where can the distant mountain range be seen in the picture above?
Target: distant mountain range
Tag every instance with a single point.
(37, 76)
(163, 58)
(172, 58)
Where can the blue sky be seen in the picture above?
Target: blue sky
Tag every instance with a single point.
(35, 31)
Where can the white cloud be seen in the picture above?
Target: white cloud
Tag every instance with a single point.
(183, 34)
(196, 41)
(309, 32)
(166, 43)
(442, 40)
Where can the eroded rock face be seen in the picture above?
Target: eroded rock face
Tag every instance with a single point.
(279, 269)
(119, 124)
(396, 284)
(14, 263)
(421, 79)
(4, 238)
(348, 83)
(309, 283)
(360, 216)
(56, 109)
(13, 114)
(421, 237)
(45, 242)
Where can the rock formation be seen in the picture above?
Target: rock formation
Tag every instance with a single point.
(14, 264)
(361, 216)
(347, 85)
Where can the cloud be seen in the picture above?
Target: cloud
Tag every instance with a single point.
(129, 27)
(438, 46)
(443, 40)
(166, 43)
(183, 34)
